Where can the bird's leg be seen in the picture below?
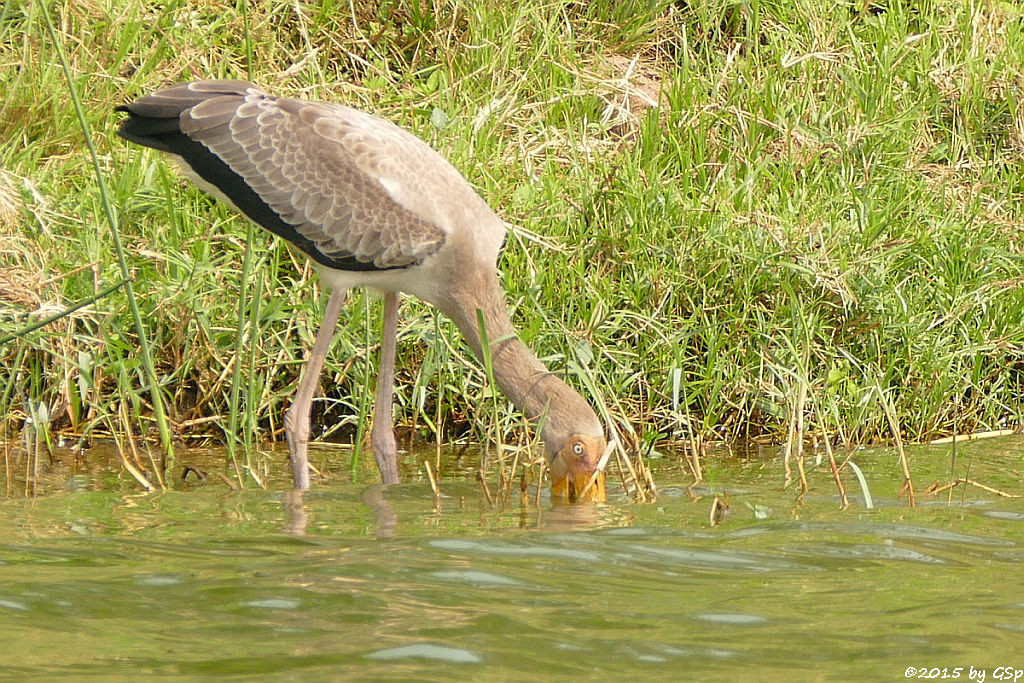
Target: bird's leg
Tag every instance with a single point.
(296, 420)
(383, 434)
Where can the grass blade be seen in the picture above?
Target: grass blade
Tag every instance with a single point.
(147, 356)
(868, 500)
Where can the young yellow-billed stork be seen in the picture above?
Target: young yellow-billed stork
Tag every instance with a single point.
(373, 205)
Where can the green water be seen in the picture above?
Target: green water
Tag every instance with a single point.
(352, 582)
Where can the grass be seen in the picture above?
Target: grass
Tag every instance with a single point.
(768, 220)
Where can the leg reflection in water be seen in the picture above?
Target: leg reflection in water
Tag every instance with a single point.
(297, 517)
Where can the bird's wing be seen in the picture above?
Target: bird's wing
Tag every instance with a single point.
(354, 191)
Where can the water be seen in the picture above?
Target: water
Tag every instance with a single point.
(351, 582)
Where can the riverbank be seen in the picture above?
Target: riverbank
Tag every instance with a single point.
(732, 221)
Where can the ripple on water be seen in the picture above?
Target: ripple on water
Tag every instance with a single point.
(731, 618)
(475, 577)
(501, 548)
(721, 559)
(273, 603)
(157, 580)
(13, 604)
(440, 653)
(1004, 515)
(867, 551)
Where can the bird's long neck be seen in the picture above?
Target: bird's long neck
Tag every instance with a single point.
(538, 394)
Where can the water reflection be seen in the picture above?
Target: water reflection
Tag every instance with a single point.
(384, 517)
(296, 517)
(349, 581)
(387, 519)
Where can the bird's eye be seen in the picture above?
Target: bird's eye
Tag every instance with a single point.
(577, 449)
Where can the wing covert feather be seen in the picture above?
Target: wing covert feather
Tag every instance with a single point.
(345, 180)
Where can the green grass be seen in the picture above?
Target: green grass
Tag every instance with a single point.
(820, 218)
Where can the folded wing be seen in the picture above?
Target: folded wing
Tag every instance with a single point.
(346, 188)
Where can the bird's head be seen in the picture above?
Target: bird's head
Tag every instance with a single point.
(574, 469)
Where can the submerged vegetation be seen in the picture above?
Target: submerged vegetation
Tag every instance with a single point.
(777, 220)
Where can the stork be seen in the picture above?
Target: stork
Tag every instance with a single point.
(373, 205)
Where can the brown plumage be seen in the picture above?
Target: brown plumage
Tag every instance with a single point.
(372, 205)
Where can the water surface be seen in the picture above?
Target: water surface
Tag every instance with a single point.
(351, 581)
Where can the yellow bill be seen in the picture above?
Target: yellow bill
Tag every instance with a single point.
(577, 471)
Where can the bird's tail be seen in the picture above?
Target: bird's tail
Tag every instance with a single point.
(154, 117)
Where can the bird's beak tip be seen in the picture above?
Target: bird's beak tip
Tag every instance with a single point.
(580, 487)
